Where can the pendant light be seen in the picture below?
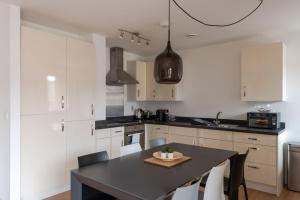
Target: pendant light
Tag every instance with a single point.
(168, 64)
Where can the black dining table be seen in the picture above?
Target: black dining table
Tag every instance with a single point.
(130, 178)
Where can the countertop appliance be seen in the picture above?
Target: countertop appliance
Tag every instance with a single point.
(294, 166)
(265, 120)
(162, 115)
(139, 113)
(134, 134)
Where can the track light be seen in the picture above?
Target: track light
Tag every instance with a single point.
(122, 34)
(134, 35)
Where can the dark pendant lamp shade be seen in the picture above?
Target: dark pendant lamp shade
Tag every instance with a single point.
(168, 67)
(168, 64)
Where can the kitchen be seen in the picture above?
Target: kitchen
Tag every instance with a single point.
(74, 109)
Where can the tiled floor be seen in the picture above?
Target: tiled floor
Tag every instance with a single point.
(253, 195)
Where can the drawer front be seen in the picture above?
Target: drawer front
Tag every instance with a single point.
(258, 153)
(160, 128)
(216, 144)
(182, 139)
(102, 133)
(191, 132)
(260, 173)
(118, 131)
(216, 134)
(251, 138)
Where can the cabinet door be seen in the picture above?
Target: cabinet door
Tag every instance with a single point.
(263, 73)
(141, 77)
(216, 144)
(43, 72)
(151, 83)
(43, 156)
(116, 143)
(81, 80)
(104, 144)
(80, 141)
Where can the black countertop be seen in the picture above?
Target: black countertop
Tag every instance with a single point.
(239, 125)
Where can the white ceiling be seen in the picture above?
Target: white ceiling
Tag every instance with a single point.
(106, 16)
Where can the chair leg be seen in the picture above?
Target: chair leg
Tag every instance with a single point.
(245, 190)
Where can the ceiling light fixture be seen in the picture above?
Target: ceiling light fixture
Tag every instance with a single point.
(134, 35)
(168, 64)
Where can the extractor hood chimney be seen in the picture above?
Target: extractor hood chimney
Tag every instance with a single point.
(116, 75)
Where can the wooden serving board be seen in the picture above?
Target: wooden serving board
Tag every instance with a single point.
(168, 164)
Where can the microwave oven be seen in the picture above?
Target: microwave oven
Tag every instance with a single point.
(266, 120)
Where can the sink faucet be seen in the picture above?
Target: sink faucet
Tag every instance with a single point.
(217, 121)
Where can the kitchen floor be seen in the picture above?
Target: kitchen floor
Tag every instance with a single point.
(253, 195)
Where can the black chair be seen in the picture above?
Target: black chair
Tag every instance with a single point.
(157, 142)
(236, 177)
(91, 159)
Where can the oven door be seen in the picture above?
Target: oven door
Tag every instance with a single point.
(135, 137)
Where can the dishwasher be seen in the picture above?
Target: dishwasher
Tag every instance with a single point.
(294, 167)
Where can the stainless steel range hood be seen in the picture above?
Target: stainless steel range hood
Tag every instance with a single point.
(116, 75)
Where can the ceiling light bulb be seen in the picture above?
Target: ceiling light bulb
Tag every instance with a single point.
(147, 43)
(139, 41)
(122, 35)
(132, 38)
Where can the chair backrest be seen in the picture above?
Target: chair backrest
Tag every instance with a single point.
(236, 177)
(214, 189)
(188, 193)
(93, 158)
(129, 149)
(157, 142)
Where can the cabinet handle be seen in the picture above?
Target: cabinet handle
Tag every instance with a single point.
(194, 142)
(252, 167)
(154, 93)
(118, 131)
(173, 93)
(122, 143)
(92, 109)
(244, 91)
(62, 102)
(254, 139)
(62, 125)
(92, 129)
(138, 92)
(254, 148)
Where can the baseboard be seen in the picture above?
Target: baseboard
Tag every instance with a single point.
(262, 187)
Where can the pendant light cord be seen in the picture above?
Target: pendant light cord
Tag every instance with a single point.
(208, 24)
(169, 23)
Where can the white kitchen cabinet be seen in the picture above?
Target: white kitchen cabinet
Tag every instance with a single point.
(116, 143)
(182, 139)
(158, 131)
(183, 135)
(43, 72)
(80, 141)
(216, 144)
(148, 89)
(263, 73)
(81, 80)
(43, 156)
(104, 144)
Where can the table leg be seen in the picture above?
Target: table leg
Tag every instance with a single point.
(76, 188)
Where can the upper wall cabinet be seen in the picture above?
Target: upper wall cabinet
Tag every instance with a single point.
(43, 79)
(263, 73)
(148, 89)
(81, 80)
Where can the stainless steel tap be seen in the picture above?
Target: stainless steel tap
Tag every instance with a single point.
(217, 121)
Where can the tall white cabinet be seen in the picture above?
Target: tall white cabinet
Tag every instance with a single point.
(57, 110)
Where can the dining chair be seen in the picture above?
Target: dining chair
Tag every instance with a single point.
(91, 159)
(236, 177)
(129, 149)
(157, 142)
(214, 189)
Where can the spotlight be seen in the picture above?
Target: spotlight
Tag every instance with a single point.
(122, 35)
(147, 43)
(132, 38)
(139, 41)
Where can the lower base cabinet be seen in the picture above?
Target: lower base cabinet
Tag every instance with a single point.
(43, 156)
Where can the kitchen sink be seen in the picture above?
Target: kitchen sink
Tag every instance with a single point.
(227, 125)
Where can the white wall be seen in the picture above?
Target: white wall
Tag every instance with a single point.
(9, 102)
(212, 82)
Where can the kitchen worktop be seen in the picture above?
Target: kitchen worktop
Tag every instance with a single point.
(239, 125)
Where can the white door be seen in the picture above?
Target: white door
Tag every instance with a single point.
(43, 72)
(104, 144)
(81, 80)
(80, 141)
(43, 156)
(116, 143)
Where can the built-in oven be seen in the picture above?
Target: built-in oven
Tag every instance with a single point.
(135, 134)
